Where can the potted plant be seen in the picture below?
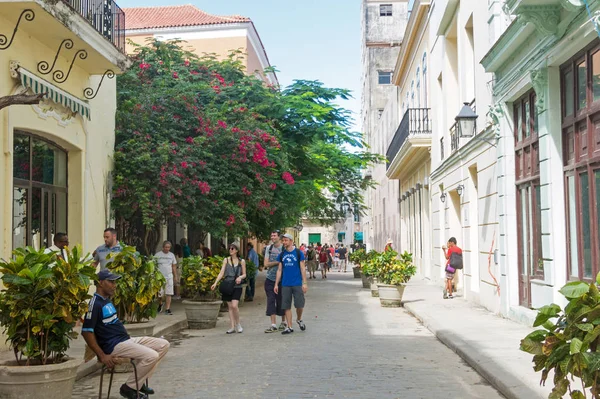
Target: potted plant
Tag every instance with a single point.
(369, 271)
(137, 290)
(42, 298)
(393, 275)
(357, 258)
(567, 346)
(202, 309)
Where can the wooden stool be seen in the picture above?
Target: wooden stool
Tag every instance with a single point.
(118, 360)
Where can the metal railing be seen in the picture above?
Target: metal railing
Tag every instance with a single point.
(415, 122)
(454, 138)
(105, 16)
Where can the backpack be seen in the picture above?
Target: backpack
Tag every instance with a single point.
(312, 254)
(456, 260)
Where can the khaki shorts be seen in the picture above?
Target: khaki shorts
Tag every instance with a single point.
(312, 265)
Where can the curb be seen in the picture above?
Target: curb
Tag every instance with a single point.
(505, 381)
(92, 366)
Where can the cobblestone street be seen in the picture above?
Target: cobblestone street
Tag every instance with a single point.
(352, 348)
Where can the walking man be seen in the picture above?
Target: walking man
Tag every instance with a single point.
(450, 271)
(253, 257)
(271, 264)
(167, 264)
(311, 255)
(343, 252)
(104, 333)
(110, 245)
(292, 274)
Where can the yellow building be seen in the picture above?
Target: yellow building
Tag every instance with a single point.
(57, 155)
(203, 33)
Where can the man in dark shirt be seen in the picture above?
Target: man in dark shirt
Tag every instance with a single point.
(106, 336)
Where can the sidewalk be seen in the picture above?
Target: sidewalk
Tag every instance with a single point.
(487, 342)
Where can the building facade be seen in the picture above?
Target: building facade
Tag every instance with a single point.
(57, 155)
(546, 100)
(383, 25)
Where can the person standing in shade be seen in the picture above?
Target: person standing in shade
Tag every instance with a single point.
(233, 268)
(271, 264)
(110, 245)
(343, 253)
(452, 248)
(106, 336)
(167, 264)
(61, 240)
(323, 260)
(252, 257)
(185, 248)
(291, 272)
(312, 262)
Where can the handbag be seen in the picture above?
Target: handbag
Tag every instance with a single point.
(450, 269)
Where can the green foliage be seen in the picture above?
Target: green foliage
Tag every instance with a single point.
(393, 270)
(358, 257)
(137, 289)
(43, 298)
(199, 274)
(370, 266)
(200, 141)
(251, 269)
(568, 343)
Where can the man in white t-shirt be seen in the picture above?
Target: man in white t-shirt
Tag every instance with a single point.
(167, 264)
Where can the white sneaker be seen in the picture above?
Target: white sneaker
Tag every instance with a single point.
(239, 328)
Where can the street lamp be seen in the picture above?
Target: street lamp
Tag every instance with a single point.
(443, 197)
(459, 190)
(466, 121)
(299, 227)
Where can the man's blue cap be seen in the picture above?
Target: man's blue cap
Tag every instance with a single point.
(107, 275)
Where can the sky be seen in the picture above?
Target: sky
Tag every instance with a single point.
(306, 39)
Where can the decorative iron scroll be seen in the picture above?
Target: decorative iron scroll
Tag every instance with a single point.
(89, 93)
(29, 15)
(59, 76)
(44, 68)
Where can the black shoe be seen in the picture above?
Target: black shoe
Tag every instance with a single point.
(168, 311)
(159, 307)
(130, 393)
(147, 390)
(287, 331)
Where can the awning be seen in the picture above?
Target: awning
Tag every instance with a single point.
(358, 236)
(39, 85)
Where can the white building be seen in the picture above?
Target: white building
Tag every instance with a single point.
(383, 25)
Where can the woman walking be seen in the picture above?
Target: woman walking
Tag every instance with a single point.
(323, 258)
(234, 272)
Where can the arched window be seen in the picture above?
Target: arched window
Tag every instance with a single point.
(39, 191)
(425, 94)
(418, 87)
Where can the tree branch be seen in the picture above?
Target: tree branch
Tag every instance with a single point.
(21, 99)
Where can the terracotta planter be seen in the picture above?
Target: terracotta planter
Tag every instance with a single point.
(51, 381)
(365, 281)
(374, 288)
(356, 271)
(202, 314)
(390, 296)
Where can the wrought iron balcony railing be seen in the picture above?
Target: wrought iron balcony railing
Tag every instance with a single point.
(454, 139)
(105, 16)
(415, 122)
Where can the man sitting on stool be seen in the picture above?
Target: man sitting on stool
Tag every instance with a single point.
(105, 335)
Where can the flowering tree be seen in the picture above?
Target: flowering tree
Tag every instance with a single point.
(200, 141)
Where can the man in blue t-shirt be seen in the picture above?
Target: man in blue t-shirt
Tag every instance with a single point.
(106, 336)
(291, 266)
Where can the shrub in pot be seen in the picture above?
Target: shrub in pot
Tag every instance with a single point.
(568, 344)
(198, 274)
(370, 270)
(42, 299)
(393, 273)
(358, 257)
(138, 287)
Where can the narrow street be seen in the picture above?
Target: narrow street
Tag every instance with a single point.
(352, 348)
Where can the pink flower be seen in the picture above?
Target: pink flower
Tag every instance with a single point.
(184, 165)
(186, 63)
(144, 66)
(259, 178)
(222, 124)
(231, 220)
(175, 75)
(235, 130)
(158, 194)
(273, 186)
(246, 191)
(189, 140)
(217, 89)
(287, 177)
(204, 187)
(194, 72)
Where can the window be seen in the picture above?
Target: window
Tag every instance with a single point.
(418, 87)
(39, 192)
(412, 94)
(385, 10)
(385, 78)
(529, 213)
(425, 98)
(580, 98)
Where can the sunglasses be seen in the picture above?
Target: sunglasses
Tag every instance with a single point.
(232, 248)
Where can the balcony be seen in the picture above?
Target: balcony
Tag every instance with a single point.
(105, 16)
(410, 144)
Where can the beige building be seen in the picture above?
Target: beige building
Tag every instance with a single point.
(204, 34)
(57, 156)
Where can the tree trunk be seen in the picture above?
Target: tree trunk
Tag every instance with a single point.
(21, 99)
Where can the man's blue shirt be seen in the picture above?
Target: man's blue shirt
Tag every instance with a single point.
(292, 275)
(101, 319)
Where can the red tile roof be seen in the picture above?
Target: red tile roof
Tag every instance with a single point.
(174, 16)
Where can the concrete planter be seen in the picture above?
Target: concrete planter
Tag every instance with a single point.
(51, 381)
(202, 314)
(374, 288)
(143, 329)
(365, 281)
(390, 296)
(356, 271)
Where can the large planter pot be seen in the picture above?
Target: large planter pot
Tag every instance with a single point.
(365, 281)
(244, 286)
(143, 329)
(390, 296)
(356, 271)
(202, 314)
(374, 288)
(51, 381)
